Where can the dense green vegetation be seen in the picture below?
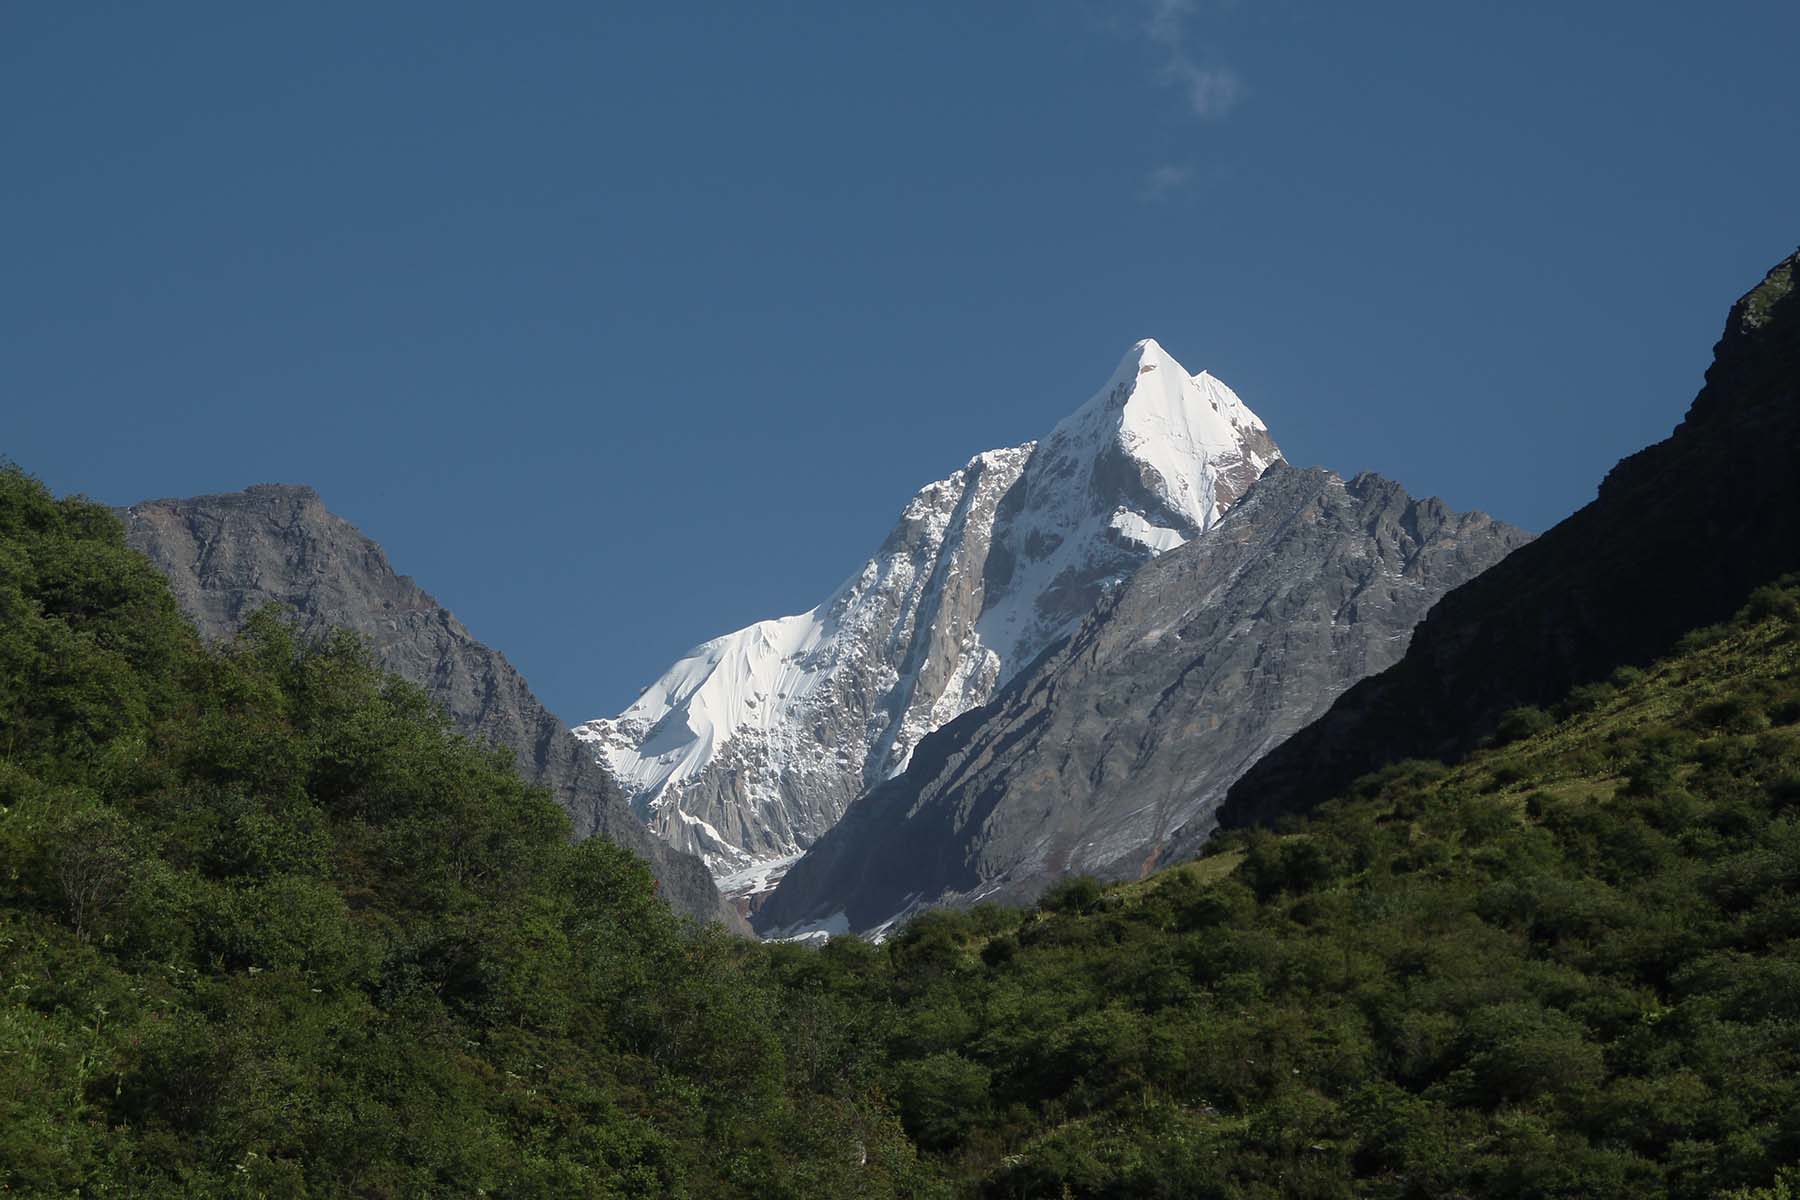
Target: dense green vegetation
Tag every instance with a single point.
(268, 928)
(1569, 966)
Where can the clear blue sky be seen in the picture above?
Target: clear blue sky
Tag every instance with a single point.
(621, 326)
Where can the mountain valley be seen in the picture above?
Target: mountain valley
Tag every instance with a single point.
(304, 895)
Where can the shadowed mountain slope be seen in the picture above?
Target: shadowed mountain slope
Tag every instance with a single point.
(1677, 536)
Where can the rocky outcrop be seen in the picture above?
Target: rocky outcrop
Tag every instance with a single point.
(1109, 754)
(228, 555)
(1676, 538)
(750, 747)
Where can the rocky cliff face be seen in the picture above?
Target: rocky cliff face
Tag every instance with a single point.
(1678, 535)
(227, 555)
(750, 748)
(1108, 755)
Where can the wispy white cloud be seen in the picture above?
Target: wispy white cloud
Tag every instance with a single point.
(1208, 89)
(1166, 179)
(1181, 179)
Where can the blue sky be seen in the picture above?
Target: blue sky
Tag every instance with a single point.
(621, 326)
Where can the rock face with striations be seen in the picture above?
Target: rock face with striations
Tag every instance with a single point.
(227, 555)
(1677, 537)
(1110, 753)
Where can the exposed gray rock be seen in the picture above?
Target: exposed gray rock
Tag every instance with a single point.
(1110, 753)
(227, 555)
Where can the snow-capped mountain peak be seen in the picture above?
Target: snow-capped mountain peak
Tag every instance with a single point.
(752, 745)
(1177, 424)
(1152, 459)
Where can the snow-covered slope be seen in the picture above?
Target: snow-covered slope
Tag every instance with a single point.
(1154, 458)
(752, 745)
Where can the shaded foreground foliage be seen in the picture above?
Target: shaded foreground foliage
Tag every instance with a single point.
(268, 928)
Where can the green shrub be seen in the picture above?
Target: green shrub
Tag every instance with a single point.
(1076, 894)
(1507, 774)
(942, 1098)
(1771, 601)
(1587, 698)
(1517, 724)
(1700, 639)
(1733, 714)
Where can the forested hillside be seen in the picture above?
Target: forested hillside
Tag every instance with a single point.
(269, 928)
(1568, 967)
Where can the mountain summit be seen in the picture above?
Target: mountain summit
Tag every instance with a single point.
(753, 744)
(1152, 460)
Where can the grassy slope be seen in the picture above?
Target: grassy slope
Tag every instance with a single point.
(1568, 966)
